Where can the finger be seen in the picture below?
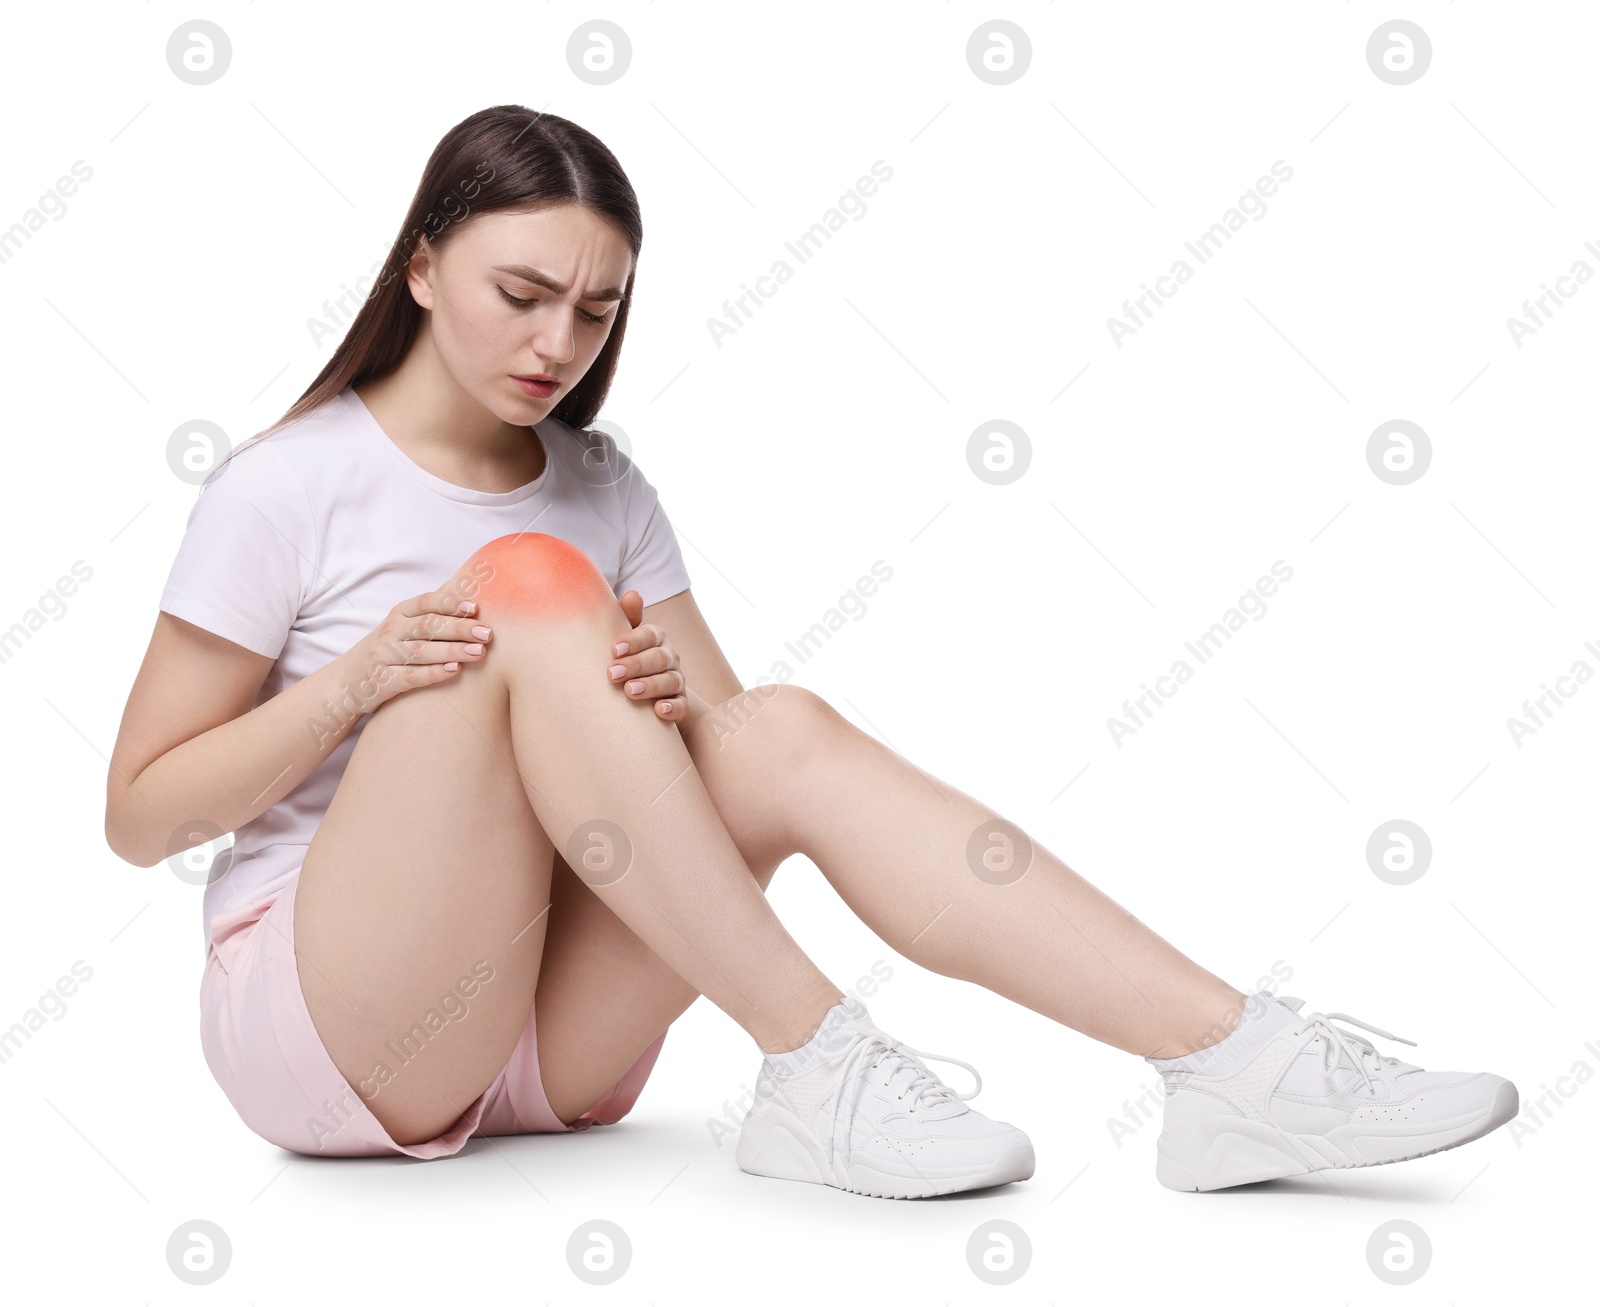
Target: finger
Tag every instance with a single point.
(632, 607)
(447, 602)
(465, 629)
(399, 679)
(419, 652)
(647, 663)
(646, 636)
(431, 626)
(675, 708)
(663, 686)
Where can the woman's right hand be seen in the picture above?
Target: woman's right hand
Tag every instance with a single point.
(422, 641)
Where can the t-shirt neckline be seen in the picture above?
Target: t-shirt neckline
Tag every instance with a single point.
(448, 489)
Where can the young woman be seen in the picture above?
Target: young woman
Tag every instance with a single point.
(469, 784)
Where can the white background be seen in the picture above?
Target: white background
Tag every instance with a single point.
(830, 432)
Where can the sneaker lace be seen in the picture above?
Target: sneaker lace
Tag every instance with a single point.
(923, 1088)
(1357, 1049)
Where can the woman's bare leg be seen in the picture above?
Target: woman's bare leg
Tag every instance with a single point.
(909, 854)
(603, 995)
(787, 774)
(435, 854)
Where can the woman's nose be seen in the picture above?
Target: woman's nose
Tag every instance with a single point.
(554, 338)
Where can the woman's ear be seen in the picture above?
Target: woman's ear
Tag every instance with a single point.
(419, 273)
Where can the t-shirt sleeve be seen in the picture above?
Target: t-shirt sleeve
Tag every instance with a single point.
(652, 563)
(248, 552)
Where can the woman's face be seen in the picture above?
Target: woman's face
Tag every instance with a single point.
(524, 295)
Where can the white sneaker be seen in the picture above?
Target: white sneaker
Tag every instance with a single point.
(1313, 1097)
(870, 1118)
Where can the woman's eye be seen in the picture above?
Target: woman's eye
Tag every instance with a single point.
(509, 298)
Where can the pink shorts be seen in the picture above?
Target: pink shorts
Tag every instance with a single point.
(263, 1049)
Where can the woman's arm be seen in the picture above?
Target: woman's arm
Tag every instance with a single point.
(706, 671)
(191, 750)
(193, 754)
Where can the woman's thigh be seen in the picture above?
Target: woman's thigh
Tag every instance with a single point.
(427, 869)
(603, 996)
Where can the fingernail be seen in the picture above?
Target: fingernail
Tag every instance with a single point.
(451, 667)
(634, 687)
(482, 632)
(473, 649)
(620, 648)
(468, 607)
(618, 672)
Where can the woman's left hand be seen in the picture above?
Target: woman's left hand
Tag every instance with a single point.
(648, 668)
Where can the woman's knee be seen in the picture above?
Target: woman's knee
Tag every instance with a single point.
(798, 714)
(790, 720)
(531, 574)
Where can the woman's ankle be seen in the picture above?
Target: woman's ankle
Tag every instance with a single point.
(806, 1025)
(1205, 1027)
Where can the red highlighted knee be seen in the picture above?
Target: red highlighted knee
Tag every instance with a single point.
(535, 574)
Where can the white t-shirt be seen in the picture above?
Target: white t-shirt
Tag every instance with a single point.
(304, 540)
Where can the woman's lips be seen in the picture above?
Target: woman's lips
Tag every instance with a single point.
(537, 389)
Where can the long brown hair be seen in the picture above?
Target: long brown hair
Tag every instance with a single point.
(507, 157)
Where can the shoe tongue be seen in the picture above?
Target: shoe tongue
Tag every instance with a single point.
(1365, 1052)
(856, 1008)
(841, 1029)
(842, 1025)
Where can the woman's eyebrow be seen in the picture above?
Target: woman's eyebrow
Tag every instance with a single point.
(551, 284)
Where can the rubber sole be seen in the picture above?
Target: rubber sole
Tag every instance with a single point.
(1231, 1151)
(776, 1149)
